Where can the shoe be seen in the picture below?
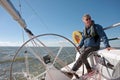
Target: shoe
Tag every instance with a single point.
(89, 74)
(89, 70)
(71, 73)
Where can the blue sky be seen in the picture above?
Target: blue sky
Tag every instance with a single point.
(59, 17)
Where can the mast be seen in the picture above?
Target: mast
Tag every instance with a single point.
(8, 6)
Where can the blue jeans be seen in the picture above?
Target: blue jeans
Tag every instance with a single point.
(83, 58)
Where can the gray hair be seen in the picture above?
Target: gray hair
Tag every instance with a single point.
(86, 15)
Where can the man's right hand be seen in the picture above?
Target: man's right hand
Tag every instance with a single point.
(78, 47)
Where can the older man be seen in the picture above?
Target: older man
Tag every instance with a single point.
(92, 34)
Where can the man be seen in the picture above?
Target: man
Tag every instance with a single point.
(91, 37)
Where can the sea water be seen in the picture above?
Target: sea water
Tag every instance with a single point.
(35, 66)
(65, 55)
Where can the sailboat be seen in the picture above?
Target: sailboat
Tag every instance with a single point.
(36, 60)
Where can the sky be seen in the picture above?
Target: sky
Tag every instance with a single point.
(58, 16)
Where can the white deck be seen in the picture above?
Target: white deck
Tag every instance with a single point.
(113, 56)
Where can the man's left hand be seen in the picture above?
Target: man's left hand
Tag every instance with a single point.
(109, 48)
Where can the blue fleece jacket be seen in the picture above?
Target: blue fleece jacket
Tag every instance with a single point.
(90, 42)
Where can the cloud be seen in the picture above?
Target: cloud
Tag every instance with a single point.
(58, 43)
(8, 43)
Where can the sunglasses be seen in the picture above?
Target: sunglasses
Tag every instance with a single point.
(88, 19)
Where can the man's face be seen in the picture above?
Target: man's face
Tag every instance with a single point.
(87, 21)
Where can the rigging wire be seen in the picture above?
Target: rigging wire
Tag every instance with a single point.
(34, 43)
(36, 14)
(23, 40)
(20, 11)
(30, 34)
(39, 18)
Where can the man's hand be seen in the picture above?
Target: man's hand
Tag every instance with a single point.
(109, 48)
(78, 47)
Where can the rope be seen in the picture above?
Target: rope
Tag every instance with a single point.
(38, 16)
